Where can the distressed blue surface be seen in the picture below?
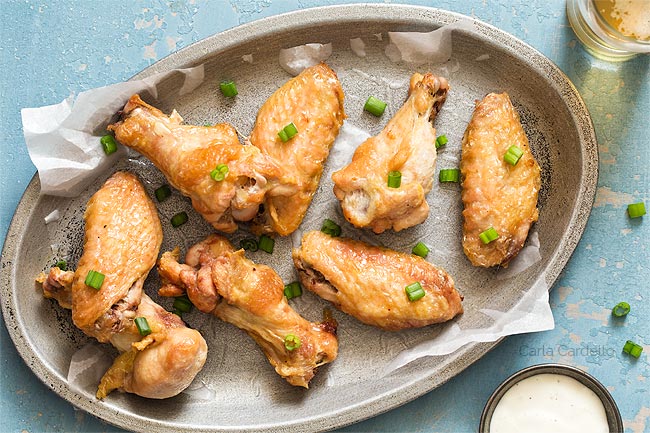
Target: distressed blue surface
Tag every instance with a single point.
(52, 49)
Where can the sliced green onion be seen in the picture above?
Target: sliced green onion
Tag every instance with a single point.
(636, 210)
(331, 228)
(94, 279)
(513, 155)
(394, 179)
(488, 235)
(288, 132)
(178, 313)
(163, 193)
(228, 88)
(62, 264)
(420, 250)
(183, 304)
(143, 326)
(632, 348)
(449, 175)
(441, 141)
(414, 291)
(249, 244)
(375, 106)
(179, 219)
(291, 342)
(292, 290)
(219, 173)
(108, 144)
(266, 244)
(621, 309)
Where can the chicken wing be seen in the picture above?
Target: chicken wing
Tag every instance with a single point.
(495, 193)
(122, 239)
(407, 145)
(313, 101)
(188, 154)
(369, 282)
(250, 296)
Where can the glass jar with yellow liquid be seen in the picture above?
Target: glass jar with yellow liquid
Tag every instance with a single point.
(611, 29)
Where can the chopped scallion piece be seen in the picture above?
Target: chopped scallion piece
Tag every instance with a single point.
(449, 175)
(441, 141)
(420, 250)
(488, 235)
(163, 193)
(178, 313)
(621, 309)
(183, 304)
(143, 326)
(375, 106)
(513, 155)
(288, 132)
(94, 279)
(394, 179)
(632, 348)
(62, 264)
(179, 219)
(249, 244)
(331, 228)
(228, 88)
(291, 342)
(636, 210)
(108, 144)
(292, 290)
(219, 173)
(266, 244)
(414, 291)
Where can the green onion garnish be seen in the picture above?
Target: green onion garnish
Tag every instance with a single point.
(621, 309)
(632, 348)
(228, 88)
(266, 244)
(62, 264)
(143, 326)
(291, 342)
(441, 141)
(414, 291)
(489, 235)
(636, 210)
(394, 179)
(449, 175)
(288, 132)
(249, 244)
(163, 193)
(420, 250)
(292, 290)
(94, 279)
(219, 173)
(178, 313)
(179, 219)
(331, 228)
(512, 155)
(108, 144)
(375, 106)
(183, 304)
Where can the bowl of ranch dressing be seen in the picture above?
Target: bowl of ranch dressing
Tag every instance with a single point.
(553, 398)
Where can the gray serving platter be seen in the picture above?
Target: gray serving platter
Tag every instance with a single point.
(238, 390)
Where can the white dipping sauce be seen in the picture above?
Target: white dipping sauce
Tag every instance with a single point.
(549, 403)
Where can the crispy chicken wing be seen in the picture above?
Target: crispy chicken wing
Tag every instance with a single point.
(251, 297)
(407, 145)
(495, 193)
(122, 239)
(187, 155)
(313, 101)
(369, 282)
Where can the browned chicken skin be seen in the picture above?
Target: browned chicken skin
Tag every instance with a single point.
(407, 145)
(251, 297)
(122, 239)
(369, 282)
(495, 193)
(187, 155)
(313, 101)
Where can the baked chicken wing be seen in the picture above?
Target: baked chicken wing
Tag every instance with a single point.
(313, 101)
(188, 154)
(407, 145)
(369, 282)
(122, 240)
(223, 282)
(494, 193)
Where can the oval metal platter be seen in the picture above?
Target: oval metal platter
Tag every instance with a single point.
(238, 389)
